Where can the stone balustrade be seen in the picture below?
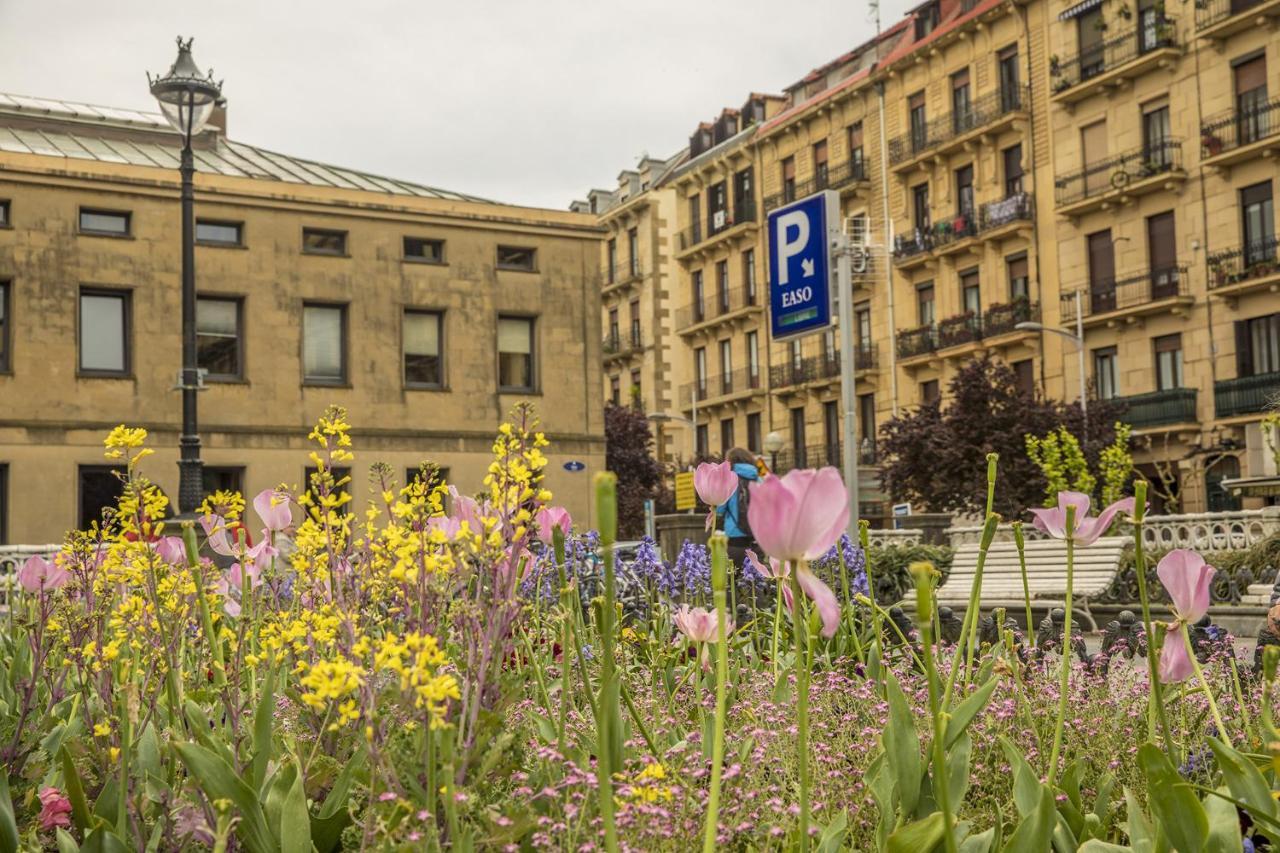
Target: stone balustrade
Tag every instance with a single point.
(1211, 531)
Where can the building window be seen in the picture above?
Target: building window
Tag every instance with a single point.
(1010, 90)
(1162, 255)
(699, 303)
(1090, 36)
(321, 241)
(820, 164)
(100, 487)
(700, 371)
(789, 179)
(212, 233)
(615, 390)
(718, 207)
(1025, 376)
(929, 391)
(722, 286)
(515, 354)
(867, 422)
(5, 326)
(743, 194)
(1017, 272)
(611, 261)
(339, 475)
(726, 435)
(324, 344)
(798, 442)
(519, 258)
(423, 354)
(916, 120)
(1168, 351)
(1258, 223)
(1258, 345)
(797, 354)
(856, 160)
(1012, 170)
(920, 207)
(964, 194)
(222, 479)
(633, 251)
(862, 327)
(695, 217)
(636, 390)
(1156, 150)
(924, 304)
(218, 338)
(1219, 499)
(428, 473)
(423, 251)
(926, 20)
(726, 361)
(4, 213)
(4, 504)
(970, 293)
(104, 332)
(754, 443)
(110, 222)
(1253, 118)
(1104, 373)
(749, 275)
(961, 102)
(633, 311)
(753, 359)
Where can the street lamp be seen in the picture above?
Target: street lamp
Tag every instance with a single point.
(1077, 338)
(187, 98)
(773, 443)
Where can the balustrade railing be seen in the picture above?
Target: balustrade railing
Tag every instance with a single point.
(716, 304)
(936, 132)
(835, 177)
(1114, 294)
(1210, 12)
(917, 341)
(1114, 173)
(1246, 395)
(721, 220)
(1093, 61)
(1245, 263)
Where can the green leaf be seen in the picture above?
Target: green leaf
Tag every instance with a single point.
(75, 791)
(66, 844)
(902, 748)
(263, 717)
(964, 713)
(983, 842)
(919, 837)
(103, 840)
(958, 771)
(1093, 845)
(333, 816)
(1026, 784)
(108, 803)
(1244, 780)
(219, 781)
(295, 820)
(833, 835)
(1141, 834)
(1034, 833)
(8, 823)
(1102, 802)
(1064, 839)
(1224, 826)
(147, 757)
(1177, 809)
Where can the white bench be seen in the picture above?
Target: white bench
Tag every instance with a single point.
(1095, 568)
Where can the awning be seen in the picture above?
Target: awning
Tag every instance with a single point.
(1079, 9)
(1255, 487)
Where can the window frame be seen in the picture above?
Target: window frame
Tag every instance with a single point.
(1109, 357)
(6, 326)
(81, 521)
(127, 234)
(508, 267)
(344, 252)
(6, 221)
(126, 297)
(439, 314)
(238, 301)
(345, 350)
(220, 244)
(4, 503)
(420, 259)
(535, 372)
(236, 471)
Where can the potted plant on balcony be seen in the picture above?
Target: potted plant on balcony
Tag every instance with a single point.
(1211, 142)
(1055, 65)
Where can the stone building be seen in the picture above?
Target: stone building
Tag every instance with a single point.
(428, 314)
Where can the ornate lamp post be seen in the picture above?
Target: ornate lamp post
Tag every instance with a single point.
(773, 442)
(187, 97)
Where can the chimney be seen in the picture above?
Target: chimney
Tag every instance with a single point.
(218, 118)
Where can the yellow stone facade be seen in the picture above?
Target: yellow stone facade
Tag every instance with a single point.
(54, 411)
(1001, 158)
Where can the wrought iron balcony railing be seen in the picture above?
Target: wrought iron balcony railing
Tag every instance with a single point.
(917, 341)
(722, 220)
(835, 177)
(960, 329)
(1158, 408)
(934, 133)
(1114, 173)
(618, 342)
(1240, 126)
(1115, 294)
(623, 272)
(716, 304)
(1210, 12)
(713, 387)
(792, 372)
(1002, 319)
(1246, 395)
(1113, 53)
(1245, 263)
(1019, 207)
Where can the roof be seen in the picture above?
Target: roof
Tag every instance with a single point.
(74, 130)
(952, 15)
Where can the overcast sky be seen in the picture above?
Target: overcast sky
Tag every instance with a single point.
(529, 102)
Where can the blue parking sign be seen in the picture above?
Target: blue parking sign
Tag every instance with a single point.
(800, 264)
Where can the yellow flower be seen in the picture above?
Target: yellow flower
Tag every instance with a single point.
(101, 730)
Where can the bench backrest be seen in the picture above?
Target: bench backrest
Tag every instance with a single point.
(1094, 568)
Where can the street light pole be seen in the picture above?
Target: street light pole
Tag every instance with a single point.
(1078, 340)
(843, 248)
(187, 97)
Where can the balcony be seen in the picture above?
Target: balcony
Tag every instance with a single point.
(1116, 180)
(1003, 319)
(1218, 19)
(618, 345)
(721, 389)
(621, 276)
(848, 174)
(937, 137)
(1115, 61)
(1108, 301)
(1248, 268)
(1159, 408)
(820, 370)
(722, 307)
(1248, 395)
(1238, 135)
(717, 224)
(995, 220)
(917, 342)
(959, 330)
(822, 455)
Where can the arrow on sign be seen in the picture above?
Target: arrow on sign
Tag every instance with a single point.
(806, 267)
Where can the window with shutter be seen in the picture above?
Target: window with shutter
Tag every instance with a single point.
(324, 344)
(218, 343)
(515, 354)
(104, 332)
(423, 366)
(1168, 352)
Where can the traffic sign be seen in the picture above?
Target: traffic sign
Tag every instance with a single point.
(574, 465)
(800, 236)
(686, 498)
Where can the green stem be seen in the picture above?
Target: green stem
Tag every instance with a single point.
(1064, 681)
(777, 625)
(607, 716)
(801, 626)
(1156, 698)
(1026, 587)
(718, 559)
(1204, 685)
(939, 720)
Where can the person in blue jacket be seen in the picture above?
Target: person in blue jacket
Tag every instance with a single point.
(736, 525)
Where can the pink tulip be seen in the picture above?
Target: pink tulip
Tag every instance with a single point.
(770, 568)
(699, 624)
(172, 550)
(1087, 530)
(465, 509)
(38, 573)
(55, 809)
(1187, 578)
(273, 508)
(714, 483)
(215, 528)
(451, 527)
(550, 518)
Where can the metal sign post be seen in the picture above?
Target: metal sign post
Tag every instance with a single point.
(843, 248)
